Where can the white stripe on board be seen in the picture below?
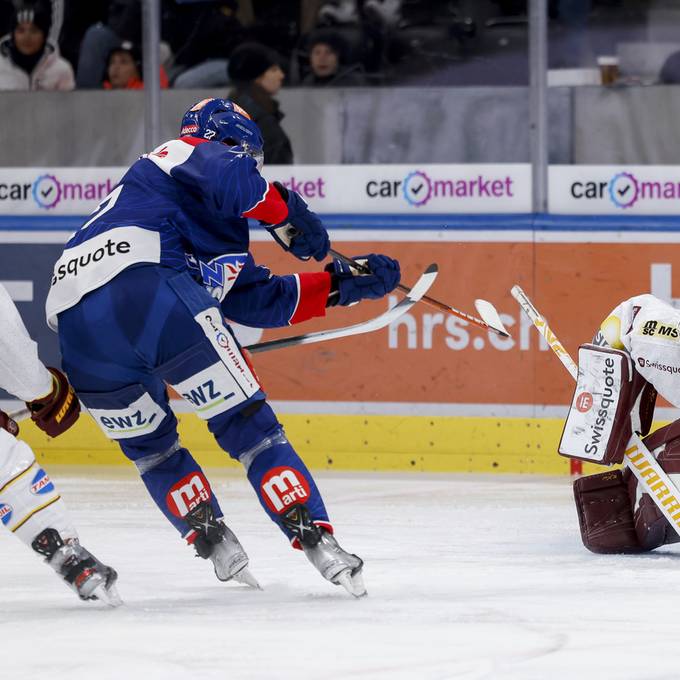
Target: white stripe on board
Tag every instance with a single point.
(28, 236)
(19, 291)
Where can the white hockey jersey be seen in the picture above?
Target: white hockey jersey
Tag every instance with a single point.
(649, 330)
(21, 371)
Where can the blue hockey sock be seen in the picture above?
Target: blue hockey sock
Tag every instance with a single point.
(177, 485)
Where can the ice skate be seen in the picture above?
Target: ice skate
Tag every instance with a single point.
(218, 543)
(79, 568)
(323, 551)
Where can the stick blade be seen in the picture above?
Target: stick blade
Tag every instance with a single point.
(491, 317)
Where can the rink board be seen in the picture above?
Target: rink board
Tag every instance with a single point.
(371, 443)
(429, 393)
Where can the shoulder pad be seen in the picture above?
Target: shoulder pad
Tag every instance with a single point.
(173, 153)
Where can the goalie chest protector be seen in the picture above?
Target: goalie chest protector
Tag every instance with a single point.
(610, 401)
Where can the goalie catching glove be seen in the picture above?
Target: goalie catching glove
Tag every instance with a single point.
(302, 233)
(349, 285)
(57, 411)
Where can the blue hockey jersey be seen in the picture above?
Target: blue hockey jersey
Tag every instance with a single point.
(185, 206)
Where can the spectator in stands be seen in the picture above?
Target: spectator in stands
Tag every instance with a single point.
(670, 71)
(327, 62)
(257, 75)
(28, 60)
(124, 69)
(124, 22)
(203, 56)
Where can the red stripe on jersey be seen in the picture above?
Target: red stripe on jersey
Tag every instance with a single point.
(313, 295)
(193, 141)
(271, 208)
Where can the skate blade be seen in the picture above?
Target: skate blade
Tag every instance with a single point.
(246, 578)
(109, 596)
(354, 585)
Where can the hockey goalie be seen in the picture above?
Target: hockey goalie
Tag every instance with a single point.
(634, 356)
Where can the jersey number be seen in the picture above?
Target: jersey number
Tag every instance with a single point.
(104, 207)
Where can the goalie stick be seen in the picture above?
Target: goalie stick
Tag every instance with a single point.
(376, 323)
(637, 457)
(490, 317)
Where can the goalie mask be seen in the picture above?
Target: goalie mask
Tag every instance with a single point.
(221, 120)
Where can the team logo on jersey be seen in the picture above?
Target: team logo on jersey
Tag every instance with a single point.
(189, 129)
(219, 274)
(584, 402)
(659, 330)
(5, 513)
(161, 153)
(282, 487)
(41, 483)
(188, 493)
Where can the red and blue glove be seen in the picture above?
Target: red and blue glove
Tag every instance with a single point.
(349, 285)
(302, 232)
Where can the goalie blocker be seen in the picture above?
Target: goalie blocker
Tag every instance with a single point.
(611, 401)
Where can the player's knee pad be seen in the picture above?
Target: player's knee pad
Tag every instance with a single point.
(605, 514)
(29, 502)
(248, 431)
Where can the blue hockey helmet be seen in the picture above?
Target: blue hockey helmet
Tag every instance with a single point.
(221, 120)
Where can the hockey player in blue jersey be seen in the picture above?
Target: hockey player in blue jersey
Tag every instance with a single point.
(141, 295)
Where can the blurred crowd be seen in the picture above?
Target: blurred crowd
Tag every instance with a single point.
(87, 44)
(67, 44)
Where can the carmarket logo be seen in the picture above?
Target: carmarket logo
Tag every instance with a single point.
(48, 191)
(625, 190)
(418, 188)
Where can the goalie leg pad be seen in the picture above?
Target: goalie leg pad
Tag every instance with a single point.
(651, 527)
(605, 514)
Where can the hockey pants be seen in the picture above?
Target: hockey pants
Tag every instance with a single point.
(150, 327)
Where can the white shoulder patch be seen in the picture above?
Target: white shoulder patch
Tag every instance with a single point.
(171, 154)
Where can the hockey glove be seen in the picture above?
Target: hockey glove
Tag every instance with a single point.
(7, 423)
(57, 411)
(348, 285)
(302, 233)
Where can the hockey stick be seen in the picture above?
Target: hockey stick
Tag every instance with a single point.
(490, 317)
(637, 456)
(416, 293)
(421, 287)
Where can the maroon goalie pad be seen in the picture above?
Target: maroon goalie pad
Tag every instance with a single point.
(605, 514)
(651, 527)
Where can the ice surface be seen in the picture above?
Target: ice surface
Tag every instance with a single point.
(468, 577)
